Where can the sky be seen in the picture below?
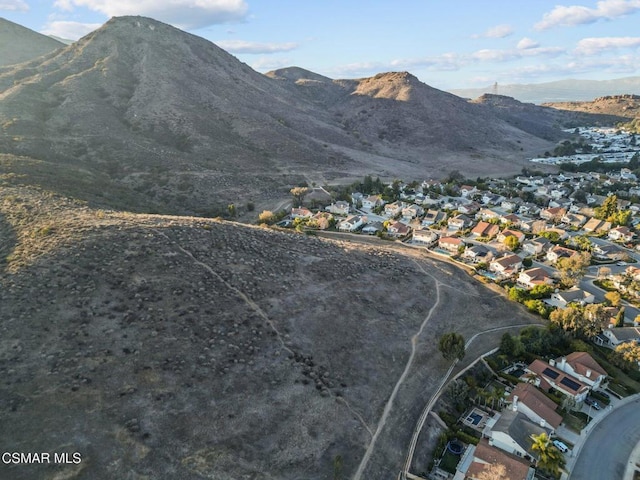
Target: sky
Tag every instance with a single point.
(446, 44)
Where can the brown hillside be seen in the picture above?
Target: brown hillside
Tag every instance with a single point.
(626, 107)
(164, 346)
(167, 121)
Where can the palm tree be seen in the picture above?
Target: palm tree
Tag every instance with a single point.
(550, 459)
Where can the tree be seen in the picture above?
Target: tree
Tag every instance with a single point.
(541, 291)
(550, 459)
(569, 319)
(267, 217)
(608, 208)
(511, 346)
(626, 355)
(451, 345)
(593, 321)
(620, 318)
(298, 195)
(613, 298)
(231, 208)
(573, 268)
(511, 242)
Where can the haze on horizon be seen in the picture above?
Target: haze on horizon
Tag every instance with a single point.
(459, 44)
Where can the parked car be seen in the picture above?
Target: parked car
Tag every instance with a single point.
(604, 394)
(590, 401)
(560, 446)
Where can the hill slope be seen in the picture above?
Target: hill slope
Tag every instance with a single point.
(625, 107)
(19, 44)
(165, 346)
(167, 121)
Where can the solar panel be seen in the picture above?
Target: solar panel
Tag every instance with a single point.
(567, 382)
(550, 373)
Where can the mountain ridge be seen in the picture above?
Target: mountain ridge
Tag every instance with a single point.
(19, 44)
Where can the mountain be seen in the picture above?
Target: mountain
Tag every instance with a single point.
(625, 107)
(142, 116)
(558, 91)
(173, 347)
(19, 44)
(544, 121)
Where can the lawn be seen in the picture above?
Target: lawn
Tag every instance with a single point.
(449, 462)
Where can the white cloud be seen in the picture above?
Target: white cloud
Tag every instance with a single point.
(185, 14)
(591, 46)
(580, 15)
(69, 30)
(14, 5)
(527, 43)
(499, 31)
(487, 55)
(241, 46)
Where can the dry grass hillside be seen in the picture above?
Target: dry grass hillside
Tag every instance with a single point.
(165, 121)
(625, 107)
(188, 348)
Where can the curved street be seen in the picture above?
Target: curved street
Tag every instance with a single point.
(609, 445)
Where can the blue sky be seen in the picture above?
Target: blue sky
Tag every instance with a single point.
(446, 44)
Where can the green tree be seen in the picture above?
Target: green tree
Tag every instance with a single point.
(613, 298)
(451, 345)
(626, 355)
(541, 291)
(550, 459)
(267, 216)
(620, 318)
(298, 194)
(231, 208)
(573, 268)
(608, 208)
(511, 242)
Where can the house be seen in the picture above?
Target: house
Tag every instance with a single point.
(492, 199)
(450, 243)
(372, 228)
(594, 225)
(535, 405)
(488, 214)
(339, 208)
(412, 211)
(534, 276)
(351, 223)
(425, 236)
(575, 295)
(621, 234)
(432, 217)
(610, 252)
(558, 252)
(466, 191)
(511, 218)
(372, 201)
(529, 209)
(507, 265)
(459, 222)
(485, 229)
(512, 433)
(356, 198)
(574, 219)
(301, 212)
(477, 458)
(502, 236)
(393, 209)
(511, 204)
(470, 208)
(398, 229)
(477, 253)
(547, 376)
(612, 337)
(582, 366)
(321, 220)
(537, 246)
(553, 214)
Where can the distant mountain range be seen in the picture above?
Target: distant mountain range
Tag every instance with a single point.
(140, 115)
(19, 44)
(559, 91)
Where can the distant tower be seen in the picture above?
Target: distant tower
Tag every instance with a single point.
(495, 88)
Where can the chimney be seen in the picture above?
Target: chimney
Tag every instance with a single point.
(543, 423)
(563, 363)
(552, 362)
(514, 406)
(588, 373)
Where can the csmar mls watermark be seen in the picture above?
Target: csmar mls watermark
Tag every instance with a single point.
(30, 458)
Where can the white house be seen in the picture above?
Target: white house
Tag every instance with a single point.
(575, 295)
(352, 223)
(339, 208)
(535, 405)
(425, 236)
(548, 376)
(622, 234)
(534, 276)
(582, 366)
(372, 201)
(507, 265)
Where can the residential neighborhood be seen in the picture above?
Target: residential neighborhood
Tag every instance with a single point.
(563, 245)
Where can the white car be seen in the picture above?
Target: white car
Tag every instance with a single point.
(560, 446)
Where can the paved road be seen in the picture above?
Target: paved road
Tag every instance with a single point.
(609, 445)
